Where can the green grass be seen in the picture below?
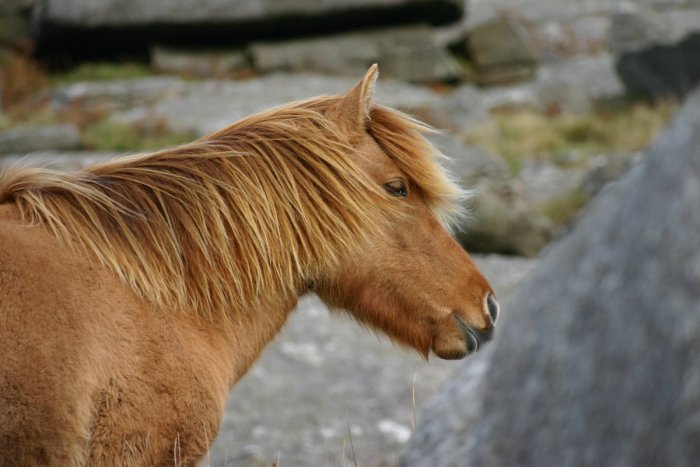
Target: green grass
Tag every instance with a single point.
(525, 134)
(121, 137)
(101, 71)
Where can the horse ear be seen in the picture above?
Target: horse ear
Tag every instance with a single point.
(353, 110)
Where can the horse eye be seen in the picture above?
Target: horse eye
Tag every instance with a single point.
(396, 187)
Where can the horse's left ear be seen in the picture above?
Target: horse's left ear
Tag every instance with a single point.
(353, 110)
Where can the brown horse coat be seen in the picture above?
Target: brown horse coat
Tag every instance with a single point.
(134, 295)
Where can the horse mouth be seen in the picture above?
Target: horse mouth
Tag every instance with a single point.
(474, 338)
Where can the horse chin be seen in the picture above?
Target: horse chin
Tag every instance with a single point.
(450, 347)
(451, 354)
(458, 343)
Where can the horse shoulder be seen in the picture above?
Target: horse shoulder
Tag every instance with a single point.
(89, 373)
(165, 404)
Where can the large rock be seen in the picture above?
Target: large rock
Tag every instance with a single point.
(267, 14)
(597, 365)
(409, 53)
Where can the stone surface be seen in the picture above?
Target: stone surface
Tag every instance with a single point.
(118, 94)
(543, 181)
(590, 78)
(570, 86)
(562, 29)
(409, 53)
(662, 71)
(605, 169)
(481, 11)
(198, 62)
(683, 21)
(469, 163)
(598, 363)
(23, 140)
(559, 29)
(502, 221)
(114, 13)
(637, 29)
(462, 110)
(640, 26)
(207, 106)
(502, 51)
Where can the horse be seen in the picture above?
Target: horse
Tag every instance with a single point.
(135, 293)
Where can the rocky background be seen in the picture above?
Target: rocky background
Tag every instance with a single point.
(543, 103)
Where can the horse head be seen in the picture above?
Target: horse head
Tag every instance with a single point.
(412, 281)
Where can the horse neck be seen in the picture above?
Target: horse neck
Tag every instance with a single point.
(248, 333)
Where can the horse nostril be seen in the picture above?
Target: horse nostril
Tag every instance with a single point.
(492, 305)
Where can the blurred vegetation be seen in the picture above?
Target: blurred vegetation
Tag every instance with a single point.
(520, 134)
(115, 136)
(99, 71)
(20, 78)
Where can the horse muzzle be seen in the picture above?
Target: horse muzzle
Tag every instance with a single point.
(474, 338)
(458, 339)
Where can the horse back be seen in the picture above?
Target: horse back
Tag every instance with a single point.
(89, 374)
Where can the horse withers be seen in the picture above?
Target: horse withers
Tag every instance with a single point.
(135, 293)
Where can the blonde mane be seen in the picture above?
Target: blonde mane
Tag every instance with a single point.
(254, 210)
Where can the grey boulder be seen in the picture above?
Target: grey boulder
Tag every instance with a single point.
(597, 364)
